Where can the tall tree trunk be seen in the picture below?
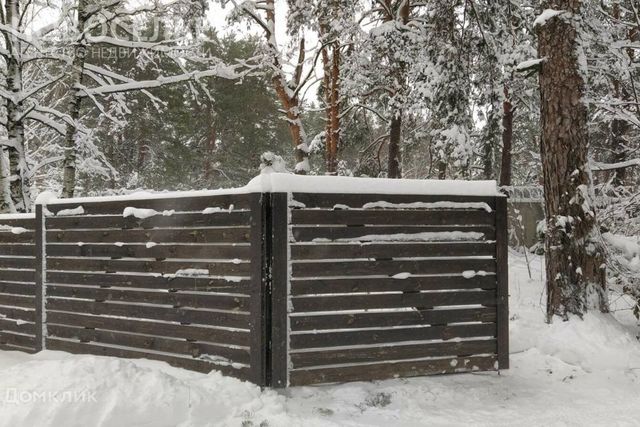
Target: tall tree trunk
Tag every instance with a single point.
(331, 83)
(574, 261)
(72, 134)
(18, 182)
(394, 169)
(6, 204)
(395, 137)
(507, 139)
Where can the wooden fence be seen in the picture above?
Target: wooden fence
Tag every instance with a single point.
(276, 288)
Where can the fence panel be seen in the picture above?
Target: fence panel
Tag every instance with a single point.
(385, 286)
(17, 278)
(166, 279)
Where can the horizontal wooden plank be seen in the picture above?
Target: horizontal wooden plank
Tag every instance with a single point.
(138, 266)
(410, 299)
(28, 223)
(180, 362)
(370, 233)
(158, 235)
(27, 315)
(18, 249)
(387, 284)
(141, 281)
(385, 217)
(17, 263)
(222, 219)
(176, 299)
(387, 267)
(183, 315)
(232, 251)
(392, 318)
(172, 330)
(177, 203)
(9, 237)
(17, 288)
(9, 338)
(10, 347)
(314, 339)
(13, 275)
(20, 327)
(379, 353)
(149, 342)
(390, 250)
(382, 371)
(322, 200)
(17, 301)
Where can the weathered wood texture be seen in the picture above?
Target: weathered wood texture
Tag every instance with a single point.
(384, 286)
(176, 280)
(17, 284)
(278, 289)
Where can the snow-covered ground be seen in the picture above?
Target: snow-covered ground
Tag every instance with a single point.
(568, 374)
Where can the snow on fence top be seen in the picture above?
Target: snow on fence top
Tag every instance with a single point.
(285, 183)
(17, 216)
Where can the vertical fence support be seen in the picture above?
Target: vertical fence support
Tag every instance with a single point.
(40, 279)
(502, 276)
(279, 289)
(260, 292)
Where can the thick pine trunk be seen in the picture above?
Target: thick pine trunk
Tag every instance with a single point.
(574, 261)
(71, 134)
(395, 138)
(507, 140)
(332, 100)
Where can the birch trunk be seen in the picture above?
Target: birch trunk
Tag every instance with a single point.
(574, 261)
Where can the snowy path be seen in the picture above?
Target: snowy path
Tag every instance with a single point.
(567, 374)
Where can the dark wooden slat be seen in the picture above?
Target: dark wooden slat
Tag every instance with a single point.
(396, 352)
(323, 200)
(28, 223)
(9, 237)
(382, 371)
(17, 288)
(12, 275)
(12, 263)
(137, 266)
(9, 347)
(17, 339)
(390, 250)
(259, 321)
(139, 281)
(385, 284)
(21, 327)
(183, 315)
(369, 301)
(17, 249)
(172, 330)
(279, 290)
(381, 336)
(184, 204)
(389, 318)
(180, 362)
(176, 299)
(17, 301)
(18, 314)
(370, 268)
(384, 217)
(309, 233)
(147, 342)
(502, 273)
(159, 251)
(196, 235)
(223, 219)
